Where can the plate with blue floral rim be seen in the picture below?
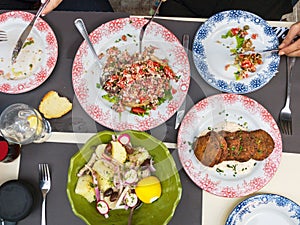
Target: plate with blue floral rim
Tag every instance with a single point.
(265, 209)
(212, 55)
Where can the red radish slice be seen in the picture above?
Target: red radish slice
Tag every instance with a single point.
(131, 199)
(124, 139)
(131, 176)
(103, 208)
(101, 205)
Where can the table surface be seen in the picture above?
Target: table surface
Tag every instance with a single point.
(58, 155)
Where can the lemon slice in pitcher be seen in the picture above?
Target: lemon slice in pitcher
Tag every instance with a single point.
(34, 123)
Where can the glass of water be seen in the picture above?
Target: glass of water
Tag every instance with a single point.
(22, 124)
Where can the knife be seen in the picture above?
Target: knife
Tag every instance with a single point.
(181, 110)
(26, 32)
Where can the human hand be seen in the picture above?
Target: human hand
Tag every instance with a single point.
(51, 5)
(288, 46)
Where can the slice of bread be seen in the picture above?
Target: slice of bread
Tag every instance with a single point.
(54, 106)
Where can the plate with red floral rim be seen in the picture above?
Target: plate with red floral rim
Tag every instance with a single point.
(123, 33)
(37, 59)
(230, 178)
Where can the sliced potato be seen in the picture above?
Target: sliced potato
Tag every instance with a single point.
(100, 150)
(104, 169)
(118, 152)
(84, 187)
(104, 184)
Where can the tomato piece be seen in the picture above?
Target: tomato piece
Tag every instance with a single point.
(121, 83)
(259, 61)
(243, 33)
(254, 36)
(124, 38)
(227, 67)
(235, 31)
(246, 64)
(114, 77)
(142, 99)
(169, 72)
(156, 64)
(252, 69)
(174, 91)
(149, 63)
(138, 110)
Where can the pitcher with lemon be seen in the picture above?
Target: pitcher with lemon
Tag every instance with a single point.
(22, 124)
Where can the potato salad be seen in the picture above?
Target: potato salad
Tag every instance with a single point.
(139, 83)
(116, 174)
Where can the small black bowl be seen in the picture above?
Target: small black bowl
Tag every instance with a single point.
(16, 201)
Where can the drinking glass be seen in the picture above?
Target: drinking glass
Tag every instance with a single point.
(22, 124)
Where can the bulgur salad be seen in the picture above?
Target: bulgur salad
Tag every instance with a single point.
(136, 82)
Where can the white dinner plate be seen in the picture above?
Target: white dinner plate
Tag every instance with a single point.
(86, 74)
(41, 56)
(230, 178)
(211, 52)
(265, 209)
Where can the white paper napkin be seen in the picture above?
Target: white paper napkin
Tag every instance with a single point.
(286, 182)
(9, 171)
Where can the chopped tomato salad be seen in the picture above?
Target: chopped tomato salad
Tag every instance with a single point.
(244, 62)
(138, 84)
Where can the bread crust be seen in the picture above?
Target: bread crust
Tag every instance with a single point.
(54, 106)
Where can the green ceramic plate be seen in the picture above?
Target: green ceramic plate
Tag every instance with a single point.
(160, 212)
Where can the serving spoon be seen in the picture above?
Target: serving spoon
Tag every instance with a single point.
(142, 32)
(139, 203)
(82, 30)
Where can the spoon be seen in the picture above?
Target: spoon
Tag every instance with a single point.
(146, 24)
(82, 30)
(138, 204)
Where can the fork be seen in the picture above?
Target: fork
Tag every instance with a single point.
(3, 35)
(142, 32)
(285, 116)
(45, 185)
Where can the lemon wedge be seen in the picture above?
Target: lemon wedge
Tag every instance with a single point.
(35, 124)
(148, 189)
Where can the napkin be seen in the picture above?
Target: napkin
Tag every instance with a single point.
(286, 182)
(9, 171)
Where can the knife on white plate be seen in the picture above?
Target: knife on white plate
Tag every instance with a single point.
(24, 35)
(181, 110)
